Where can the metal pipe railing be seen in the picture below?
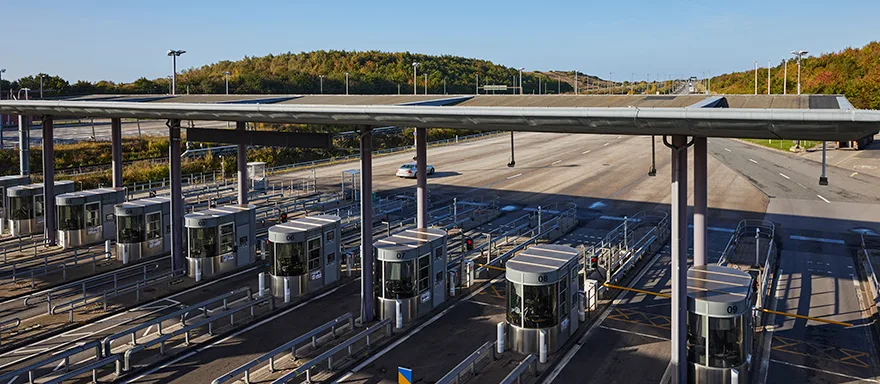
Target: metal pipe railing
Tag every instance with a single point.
(484, 351)
(527, 364)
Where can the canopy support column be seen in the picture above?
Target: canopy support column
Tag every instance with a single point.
(24, 140)
(700, 200)
(116, 150)
(49, 225)
(422, 177)
(177, 207)
(367, 294)
(241, 159)
(679, 239)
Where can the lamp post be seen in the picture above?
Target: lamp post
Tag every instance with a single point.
(610, 83)
(2, 70)
(575, 82)
(800, 55)
(416, 77)
(768, 77)
(785, 76)
(41, 86)
(174, 54)
(227, 73)
(520, 82)
(756, 77)
(321, 80)
(477, 89)
(426, 83)
(346, 83)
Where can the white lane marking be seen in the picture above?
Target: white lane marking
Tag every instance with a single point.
(147, 331)
(585, 152)
(514, 176)
(709, 141)
(855, 284)
(556, 162)
(606, 144)
(783, 175)
(753, 160)
(618, 137)
(487, 304)
(823, 199)
(715, 229)
(802, 186)
(12, 380)
(633, 333)
(727, 149)
(822, 370)
(819, 239)
(57, 367)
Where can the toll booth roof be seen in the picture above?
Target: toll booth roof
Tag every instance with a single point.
(220, 211)
(13, 177)
(304, 224)
(713, 283)
(91, 192)
(409, 239)
(540, 259)
(39, 185)
(145, 202)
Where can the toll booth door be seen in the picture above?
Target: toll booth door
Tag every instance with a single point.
(439, 275)
(243, 256)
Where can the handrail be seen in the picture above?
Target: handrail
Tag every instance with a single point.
(528, 363)
(328, 355)
(50, 356)
(769, 232)
(470, 361)
(872, 272)
(93, 366)
(133, 331)
(118, 290)
(270, 356)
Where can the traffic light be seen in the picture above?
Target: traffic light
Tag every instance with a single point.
(594, 262)
(283, 218)
(469, 244)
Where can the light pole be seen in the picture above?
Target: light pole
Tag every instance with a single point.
(174, 54)
(416, 77)
(784, 76)
(227, 73)
(426, 83)
(477, 89)
(2, 70)
(610, 83)
(756, 77)
(321, 80)
(632, 79)
(41, 86)
(346, 83)
(444, 86)
(768, 77)
(520, 82)
(575, 82)
(800, 55)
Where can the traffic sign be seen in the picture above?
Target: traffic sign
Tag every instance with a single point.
(495, 87)
(404, 375)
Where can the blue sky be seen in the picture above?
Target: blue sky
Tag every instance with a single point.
(124, 40)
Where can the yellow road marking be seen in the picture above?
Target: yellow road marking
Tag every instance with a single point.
(853, 174)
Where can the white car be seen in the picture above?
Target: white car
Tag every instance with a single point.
(408, 170)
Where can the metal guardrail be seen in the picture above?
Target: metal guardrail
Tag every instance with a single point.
(51, 356)
(748, 226)
(870, 266)
(61, 263)
(5, 325)
(514, 377)
(312, 336)
(617, 254)
(484, 351)
(306, 369)
(93, 366)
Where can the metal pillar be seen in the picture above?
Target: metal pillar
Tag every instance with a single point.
(241, 159)
(422, 177)
(700, 201)
(512, 162)
(823, 180)
(679, 258)
(367, 299)
(24, 153)
(177, 208)
(49, 225)
(116, 150)
(653, 170)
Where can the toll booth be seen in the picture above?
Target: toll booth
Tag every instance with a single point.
(143, 228)
(220, 240)
(305, 255)
(27, 208)
(87, 217)
(410, 269)
(720, 325)
(257, 176)
(7, 182)
(542, 298)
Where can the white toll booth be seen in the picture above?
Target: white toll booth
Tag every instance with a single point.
(220, 240)
(257, 179)
(305, 255)
(410, 273)
(542, 298)
(7, 182)
(143, 228)
(26, 206)
(719, 322)
(87, 217)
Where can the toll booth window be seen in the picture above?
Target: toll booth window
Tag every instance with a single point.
(725, 342)
(315, 253)
(203, 242)
(130, 229)
(331, 258)
(21, 208)
(539, 306)
(399, 279)
(38, 206)
(439, 278)
(514, 303)
(93, 215)
(154, 225)
(563, 297)
(424, 272)
(227, 238)
(438, 254)
(330, 236)
(70, 217)
(696, 339)
(289, 259)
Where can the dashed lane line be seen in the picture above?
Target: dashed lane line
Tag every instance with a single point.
(753, 160)
(514, 176)
(633, 333)
(556, 162)
(823, 199)
(822, 371)
(727, 149)
(783, 175)
(585, 152)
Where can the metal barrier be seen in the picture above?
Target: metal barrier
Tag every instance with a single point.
(51, 356)
(93, 366)
(872, 273)
(5, 325)
(619, 251)
(61, 262)
(748, 226)
(529, 363)
(311, 336)
(453, 376)
(305, 369)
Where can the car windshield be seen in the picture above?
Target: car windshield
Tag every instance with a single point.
(408, 166)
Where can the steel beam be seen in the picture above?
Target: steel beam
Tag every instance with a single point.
(679, 259)
(24, 152)
(241, 159)
(116, 150)
(700, 201)
(177, 208)
(49, 225)
(268, 138)
(367, 299)
(422, 177)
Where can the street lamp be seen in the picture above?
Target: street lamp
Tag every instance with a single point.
(227, 73)
(477, 89)
(800, 55)
(426, 83)
(2, 70)
(575, 82)
(416, 77)
(41, 86)
(346, 83)
(321, 77)
(174, 54)
(520, 82)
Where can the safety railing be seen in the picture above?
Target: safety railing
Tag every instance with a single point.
(208, 320)
(93, 366)
(620, 250)
(20, 244)
(348, 346)
(485, 351)
(51, 357)
(868, 244)
(765, 229)
(8, 325)
(312, 336)
(41, 265)
(530, 363)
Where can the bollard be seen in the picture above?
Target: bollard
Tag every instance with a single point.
(542, 345)
(734, 376)
(469, 273)
(349, 259)
(262, 250)
(590, 291)
(198, 270)
(398, 319)
(499, 344)
(107, 250)
(262, 282)
(582, 315)
(286, 291)
(125, 255)
(451, 282)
